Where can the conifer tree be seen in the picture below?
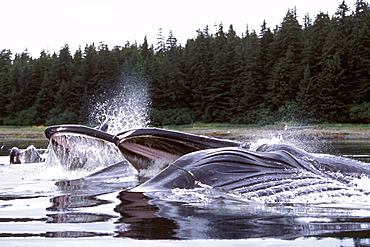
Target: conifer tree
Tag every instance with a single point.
(5, 66)
(20, 81)
(286, 73)
(89, 68)
(334, 78)
(198, 59)
(62, 74)
(217, 94)
(248, 85)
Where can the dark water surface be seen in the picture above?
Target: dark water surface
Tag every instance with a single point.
(48, 206)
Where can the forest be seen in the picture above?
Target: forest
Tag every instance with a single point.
(313, 71)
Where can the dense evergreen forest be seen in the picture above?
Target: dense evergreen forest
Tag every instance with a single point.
(318, 71)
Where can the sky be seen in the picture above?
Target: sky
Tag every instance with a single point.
(48, 25)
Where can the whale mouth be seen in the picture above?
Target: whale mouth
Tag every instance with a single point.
(77, 151)
(145, 147)
(82, 148)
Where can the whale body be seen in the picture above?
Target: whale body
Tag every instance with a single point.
(261, 173)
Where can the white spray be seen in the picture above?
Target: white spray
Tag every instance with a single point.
(125, 106)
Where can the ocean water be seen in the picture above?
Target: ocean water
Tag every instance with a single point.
(49, 206)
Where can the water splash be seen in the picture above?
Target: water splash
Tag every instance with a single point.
(83, 155)
(269, 141)
(125, 106)
(301, 140)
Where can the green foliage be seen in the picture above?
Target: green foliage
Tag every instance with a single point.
(66, 117)
(316, 73)
(179, 116)
(360, 113)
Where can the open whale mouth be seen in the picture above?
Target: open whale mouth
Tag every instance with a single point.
(145, 147)
(81, 147)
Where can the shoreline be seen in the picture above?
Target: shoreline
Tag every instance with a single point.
(246, 134)
(240, 134)
(22, 134)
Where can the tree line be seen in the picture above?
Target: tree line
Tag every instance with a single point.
(318, 71)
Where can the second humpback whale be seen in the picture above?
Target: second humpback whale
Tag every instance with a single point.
(282, 172)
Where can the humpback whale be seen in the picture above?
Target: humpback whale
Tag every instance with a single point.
(29, 155)
(274, 173)
(190, 161)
